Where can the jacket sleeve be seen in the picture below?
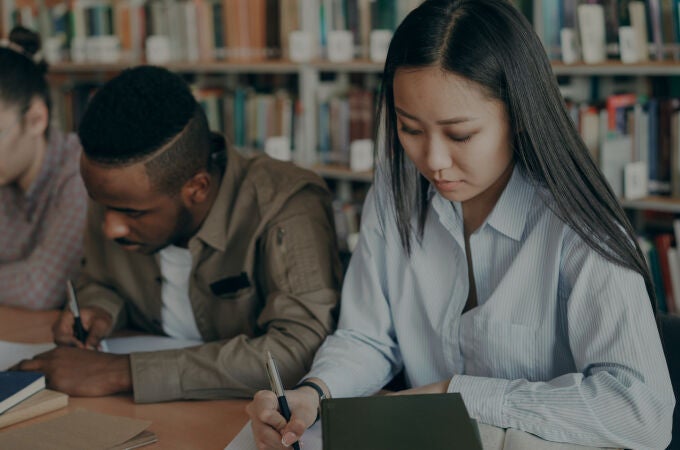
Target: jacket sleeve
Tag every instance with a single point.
(298, 276)
(93, 288)
(38, 281)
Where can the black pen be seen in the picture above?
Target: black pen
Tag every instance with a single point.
(277, 387)
(78, 329)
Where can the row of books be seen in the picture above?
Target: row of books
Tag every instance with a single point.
(630, 129)
(345, 115)
(202, 29)
(630, 30)
(249, 115)
(191, 29)
(245, 116)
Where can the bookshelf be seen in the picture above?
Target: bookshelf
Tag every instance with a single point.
(628, 113)
(246, 53)
(238, 61)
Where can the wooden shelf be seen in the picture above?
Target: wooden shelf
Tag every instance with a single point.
(266, 66)
(663, 204)
(610, 68)
(357, 65)
(269, 66)
(614, 68)
(342, 173)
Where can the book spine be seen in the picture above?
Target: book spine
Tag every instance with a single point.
(655, 22)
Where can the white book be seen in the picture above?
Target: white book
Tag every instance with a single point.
(638, 20)
(592, 28)
(191, 31)
(641, 132)
(615, 153)
(676, 231)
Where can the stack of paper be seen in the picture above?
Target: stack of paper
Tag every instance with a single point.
(80, 430)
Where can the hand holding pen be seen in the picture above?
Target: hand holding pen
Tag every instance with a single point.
(277, 388)
(78, 329)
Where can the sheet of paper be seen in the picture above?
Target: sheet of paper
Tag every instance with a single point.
(311, 440)
(521, 440)
(79, 430)
(145, 343)
(13, 352)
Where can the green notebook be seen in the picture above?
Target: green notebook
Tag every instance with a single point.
(408, 422)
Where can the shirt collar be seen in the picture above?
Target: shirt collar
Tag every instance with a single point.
(507, 217)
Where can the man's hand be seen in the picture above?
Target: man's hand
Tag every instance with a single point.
(82, 373)
(96, 321)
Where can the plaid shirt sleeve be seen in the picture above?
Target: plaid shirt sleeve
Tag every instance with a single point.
(38, 281)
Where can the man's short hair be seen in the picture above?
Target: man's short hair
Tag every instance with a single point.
(148, 114)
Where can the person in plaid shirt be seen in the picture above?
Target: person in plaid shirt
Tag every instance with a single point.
(43, 201)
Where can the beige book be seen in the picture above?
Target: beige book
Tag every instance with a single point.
(37, 404)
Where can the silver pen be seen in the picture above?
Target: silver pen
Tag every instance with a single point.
(78, 330)
(277, 387)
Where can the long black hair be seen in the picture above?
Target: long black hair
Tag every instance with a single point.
(22, 78)
(492, 44)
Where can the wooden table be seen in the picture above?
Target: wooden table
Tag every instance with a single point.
(184, 425)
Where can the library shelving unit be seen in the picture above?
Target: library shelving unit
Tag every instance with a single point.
(638, 78)
(629, 113)
(309, 81)
(642, 77)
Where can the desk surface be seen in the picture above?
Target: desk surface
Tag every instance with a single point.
(182, 425)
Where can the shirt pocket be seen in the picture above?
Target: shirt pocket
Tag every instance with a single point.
(235, 312)
(500, 349)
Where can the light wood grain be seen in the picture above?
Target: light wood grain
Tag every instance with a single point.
(184, 425)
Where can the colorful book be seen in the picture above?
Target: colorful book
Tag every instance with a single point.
(16, 386)
(657, 278)
(663, 243)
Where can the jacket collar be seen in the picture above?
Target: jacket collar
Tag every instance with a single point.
(214, 231)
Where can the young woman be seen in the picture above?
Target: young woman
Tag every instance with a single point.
(494, 259)
(42, 198)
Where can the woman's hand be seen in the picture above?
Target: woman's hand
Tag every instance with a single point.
(270, 429)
